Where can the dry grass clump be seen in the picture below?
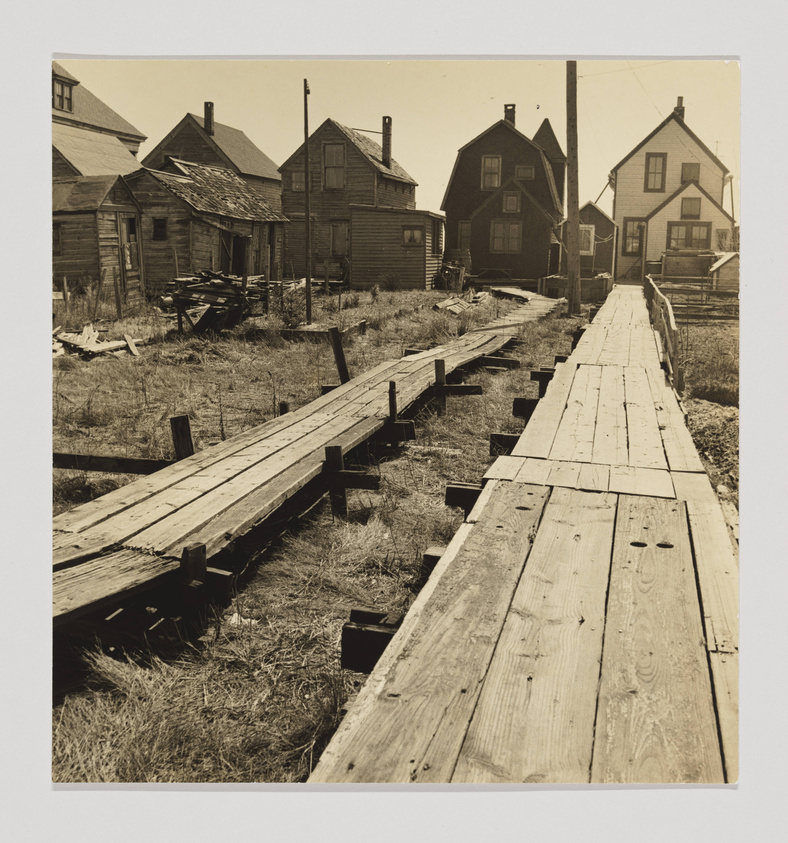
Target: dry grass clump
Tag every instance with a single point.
(711, 361)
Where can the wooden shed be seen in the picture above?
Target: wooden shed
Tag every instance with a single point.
(403, 245)
(199, 217)
(724, 273)
(598, 234)
(95, 228)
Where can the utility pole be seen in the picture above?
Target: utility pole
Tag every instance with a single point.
(307, 217)
(572, 192)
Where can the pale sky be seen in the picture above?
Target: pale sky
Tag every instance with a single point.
(436, 106)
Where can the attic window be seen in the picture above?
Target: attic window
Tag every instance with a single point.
(491, 172)
(587, 240)
(527, 172)
(160, 228)
(690, 208)
(656, 164)
(511, 202)
(61, 95)
(690, 172)
(334, 166)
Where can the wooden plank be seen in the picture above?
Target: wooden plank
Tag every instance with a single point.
(534, 721)
(610, 433)
(482, 501)
(504, 468)
(539, 434)
(594, 478)
(574, 439)
(410, 718)
(534, 471)
(630, 480)
(122, 465)
(564, 474)
(131, 345)
(645, 440)
(656, 719)
(676, 439)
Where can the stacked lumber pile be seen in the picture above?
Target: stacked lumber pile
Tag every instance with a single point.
(454, 305)
(88, 345)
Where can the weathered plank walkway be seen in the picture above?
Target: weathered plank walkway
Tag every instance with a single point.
(582, 624)
(133, 538)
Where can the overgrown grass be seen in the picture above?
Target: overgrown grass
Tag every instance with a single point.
(711, 354)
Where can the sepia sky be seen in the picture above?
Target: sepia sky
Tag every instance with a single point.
(436, 106)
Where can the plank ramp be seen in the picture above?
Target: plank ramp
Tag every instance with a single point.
(582, 626)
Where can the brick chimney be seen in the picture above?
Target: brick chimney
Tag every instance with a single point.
(387, 142)
(508, 112)
(679, 109)
(208, 118)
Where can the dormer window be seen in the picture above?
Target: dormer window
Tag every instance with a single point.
(61, 95)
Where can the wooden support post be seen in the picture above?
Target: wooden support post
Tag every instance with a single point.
(365, 637)
(499, 362)
(175, 261)
(179, 314)
(284, 407)
(66, 297)
(463, 495)
(220, 583)
(339, 354)
(392, 401)
(327, 387)
(336, 493)
(440, 383)
(267, 296)
(524, 407)
(181, 437)
(576, 337)
(194, 564)
(543, 377)
(560, 358)
(327, 287)
(247, 253)
(502, 443)
(116, 284)
(398, 431)
(460, 389)
(429, 560)
(98, 292)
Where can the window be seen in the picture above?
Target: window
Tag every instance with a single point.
(656, 163)
(687, 235)
(491, 172)
(527, 172)
(297, 183)
(511, 202)
(464, 235)
(61, 95)
(160, 228)
(630, 242)
(412, 236)
(690, 208)
(339, 238)
(505, 237)
(56, 243)
(690, 172)
(334, 166)
(587, 239)
(437, 237)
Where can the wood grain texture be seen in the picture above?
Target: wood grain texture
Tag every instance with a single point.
(537, 438)
(574, 439)
(610, 433)
(645, 440)
(504, 468)
(411, 717)
(627, 480)
(534, 721)
(656, 720)
(676, 439)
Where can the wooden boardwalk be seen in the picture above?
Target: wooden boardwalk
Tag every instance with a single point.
(132, 538)
(582, 624)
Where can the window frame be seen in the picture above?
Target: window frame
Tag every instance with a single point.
(689, 236)
(512, 194)
(464, 235)
(338, 168)
(437, 236)
(297, 177)
(158, 235)
(693, 164)
(412, 244)
(531, 169)
(497, 173)
(687, 214)
(62, 100)
(655, 156)
(507, 248)
(624, 237)
(592, 234)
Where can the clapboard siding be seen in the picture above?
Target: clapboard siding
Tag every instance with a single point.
(60, 167)
(78, 255)
(187, 145)
(727, 276)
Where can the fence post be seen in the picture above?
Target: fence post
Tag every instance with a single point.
(339, 354)
(440, 382)
(181, 437)
(337, 494)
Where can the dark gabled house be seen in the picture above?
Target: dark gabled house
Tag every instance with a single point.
(362, 208)
(88, 137)
(95, 232)
(202, 140)
(503, 203)
(198, 217)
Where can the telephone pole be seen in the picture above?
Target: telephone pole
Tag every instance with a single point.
(307, 217)
(572, 192)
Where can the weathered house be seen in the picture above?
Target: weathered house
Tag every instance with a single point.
(503, 202)
(198, 217)
(88, 137)
(202, 140)
(668, 197)
(95, 230)
(362, 209)
(598, 234)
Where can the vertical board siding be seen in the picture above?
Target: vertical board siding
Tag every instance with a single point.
(78, 247)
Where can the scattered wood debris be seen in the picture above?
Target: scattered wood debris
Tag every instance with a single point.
(454, 305)
(87, 344)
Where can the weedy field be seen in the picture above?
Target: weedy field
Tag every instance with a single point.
(257, 697)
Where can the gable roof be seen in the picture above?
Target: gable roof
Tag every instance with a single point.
(214, 190)
(92, 153)
(545, 137)
(597, 208)
(248, 158)
(678, 120)
(89, 111)
(548, 170)
(371, 150)
(680, 190)
(82, 193)
(726, 256)
(518, 183)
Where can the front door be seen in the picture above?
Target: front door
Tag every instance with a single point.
(129, 254)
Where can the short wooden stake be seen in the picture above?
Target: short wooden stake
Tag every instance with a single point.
(339, 354)
(66, 296)
(543, 377)
(98, 293)
(560, 358)
(284, 407)
(194, 564)
(524, 407)
(327, 287)
(116, 284)
(440, 381)
(502, 443)
(336, 493)
(267, 296)
(392, 401)
(181, 437)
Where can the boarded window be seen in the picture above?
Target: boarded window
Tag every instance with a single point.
(339, 238)
(491, 172)
(527, 172)
(683, 235)
(587, 239)
(412, 236)
(160, 228)
(464, 235)
(656, 164)
(334, 166)
(297, 184)
(690, 172)
(511, 202)
(56, 242)
(630, 242)
(690, 208)
(505, 237)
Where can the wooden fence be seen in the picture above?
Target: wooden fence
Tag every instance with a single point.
(664, 322)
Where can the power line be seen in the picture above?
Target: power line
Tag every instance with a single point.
(621, 70)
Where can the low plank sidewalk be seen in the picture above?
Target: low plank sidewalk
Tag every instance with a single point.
(582, 625)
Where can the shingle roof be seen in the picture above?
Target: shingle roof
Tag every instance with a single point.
(216, 190)
(92, 153)
(81, 193)
(248, 158)
(545, 137)
(91, 111)
(681, 190)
